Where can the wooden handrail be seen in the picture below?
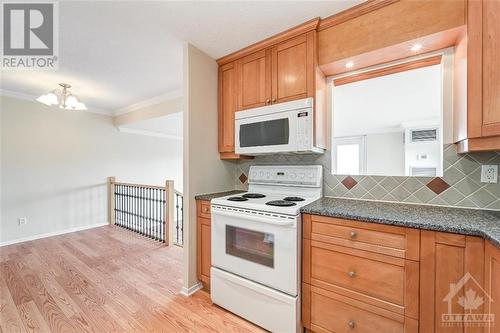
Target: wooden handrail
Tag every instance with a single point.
(140, 185)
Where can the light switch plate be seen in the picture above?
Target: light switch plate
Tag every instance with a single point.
(489, 174)
(22, 220)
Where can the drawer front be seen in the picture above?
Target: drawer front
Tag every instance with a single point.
(203, 209)
(336, 315)
(394, 241)
(383, 280)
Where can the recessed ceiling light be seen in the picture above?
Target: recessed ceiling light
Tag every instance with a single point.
(416, 47)
(349, 64)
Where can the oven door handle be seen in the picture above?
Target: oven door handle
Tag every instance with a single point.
(253, 218)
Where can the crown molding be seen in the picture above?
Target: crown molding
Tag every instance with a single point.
(148, 133)
(149, 102)
(32, 98)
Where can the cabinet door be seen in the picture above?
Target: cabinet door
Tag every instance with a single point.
(227, 107)
(293, 69)
(492, 283)
(203, 235)
(254, 80)
(451, 281)
(491, 67)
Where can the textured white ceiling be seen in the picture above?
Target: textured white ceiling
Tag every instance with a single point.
(118, 53)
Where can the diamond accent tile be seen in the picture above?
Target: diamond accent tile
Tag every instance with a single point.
(437, 185)
(243, 178)
(349, 182)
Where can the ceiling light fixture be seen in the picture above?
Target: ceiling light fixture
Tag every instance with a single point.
(349, 64)
(416, 47)
(62, 97)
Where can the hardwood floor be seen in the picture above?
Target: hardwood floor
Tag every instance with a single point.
(102, 280)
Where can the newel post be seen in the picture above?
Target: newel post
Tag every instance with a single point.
(111, 200)
(169, 212)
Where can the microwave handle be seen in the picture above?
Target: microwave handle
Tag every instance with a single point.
(252, 218)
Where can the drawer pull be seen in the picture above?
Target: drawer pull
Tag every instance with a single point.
(353, 234)
(351, 324)
(352, 274)
(205, 210)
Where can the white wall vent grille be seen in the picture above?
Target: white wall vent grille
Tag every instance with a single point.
(423, 135)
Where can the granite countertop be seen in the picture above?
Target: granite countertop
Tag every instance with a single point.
(483, 223)
(210, 196)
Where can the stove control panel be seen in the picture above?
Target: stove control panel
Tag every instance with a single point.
(292, 175)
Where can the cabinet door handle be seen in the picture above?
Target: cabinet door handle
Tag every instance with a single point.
(274, 100)
(268, 101)
(206, 209)
(353, 234)
(351, 324)
(352, 274)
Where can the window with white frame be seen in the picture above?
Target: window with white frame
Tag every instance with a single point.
(349, 155)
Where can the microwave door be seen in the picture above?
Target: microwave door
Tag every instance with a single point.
(266, 134)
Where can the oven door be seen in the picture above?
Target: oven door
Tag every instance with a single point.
(270, 133)
(261, 248)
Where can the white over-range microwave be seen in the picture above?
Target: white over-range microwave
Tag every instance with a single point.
(281, 128)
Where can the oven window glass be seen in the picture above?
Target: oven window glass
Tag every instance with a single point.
(254, 246)
(265, 133)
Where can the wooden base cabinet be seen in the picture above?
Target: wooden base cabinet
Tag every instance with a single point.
(358, 276)
(203, 234)
(492, 286)
(451, 266)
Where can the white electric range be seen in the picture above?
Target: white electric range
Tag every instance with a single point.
(256, 245)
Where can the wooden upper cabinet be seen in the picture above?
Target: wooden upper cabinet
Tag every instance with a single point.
(492, 285)
(227, 106)
(491, 67)
(254, 80)
(279, 69)
(477, 76)
(293, 69)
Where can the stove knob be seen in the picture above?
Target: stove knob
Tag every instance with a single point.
(301, 175)
(268, 174)
(310, 175)
(293, 175)
(261, 173)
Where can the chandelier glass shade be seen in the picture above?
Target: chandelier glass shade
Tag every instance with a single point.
(63, 98)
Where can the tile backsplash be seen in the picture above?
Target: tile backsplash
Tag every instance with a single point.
(460, 185)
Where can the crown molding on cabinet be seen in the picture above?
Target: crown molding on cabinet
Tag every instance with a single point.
(353, 12)
(287, 34)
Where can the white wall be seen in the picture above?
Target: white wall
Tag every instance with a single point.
(54, 166)
(385, 154)
(203, 170)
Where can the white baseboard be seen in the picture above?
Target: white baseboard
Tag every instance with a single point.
(50, 234)
(190, 291)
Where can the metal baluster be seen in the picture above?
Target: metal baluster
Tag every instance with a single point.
(150, 211)
(163, 217)
(157, 214)
(140, 210)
